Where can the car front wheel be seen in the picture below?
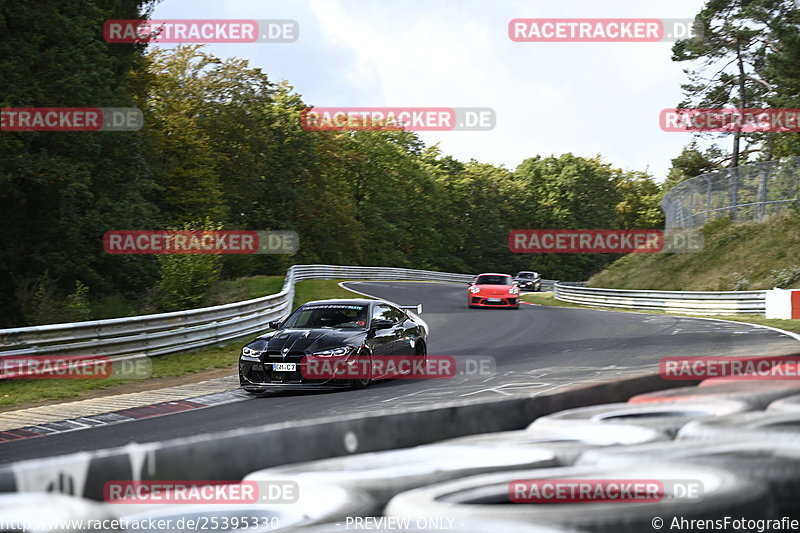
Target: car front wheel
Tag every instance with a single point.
(365, 380)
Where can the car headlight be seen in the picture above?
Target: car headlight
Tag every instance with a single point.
(335, 352)
(513, 290)
(474, 290)
(249, 352)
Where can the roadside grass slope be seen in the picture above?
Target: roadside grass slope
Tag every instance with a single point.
(735, 257)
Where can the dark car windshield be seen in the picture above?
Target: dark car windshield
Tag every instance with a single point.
(527, 275)
(493, 280)
(328, 316)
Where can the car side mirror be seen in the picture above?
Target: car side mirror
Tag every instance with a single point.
(274, 324)
(382, 324)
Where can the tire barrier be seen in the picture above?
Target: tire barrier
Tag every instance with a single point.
(790, 403)
(664, 416)
(567, 442)
(315, 505)
(745, 459)
(771, 426)
(209, 456)
(382, 475)
(487, 497)
(777, 465)
(43, 512)
(757, 394)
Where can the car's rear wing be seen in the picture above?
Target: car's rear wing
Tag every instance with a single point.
(416, 308)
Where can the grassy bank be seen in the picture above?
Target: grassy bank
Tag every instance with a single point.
(745, 256)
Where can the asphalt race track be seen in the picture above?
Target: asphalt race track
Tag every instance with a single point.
(536, 349)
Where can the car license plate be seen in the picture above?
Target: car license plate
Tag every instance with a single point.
(284, 367)
(495, 299)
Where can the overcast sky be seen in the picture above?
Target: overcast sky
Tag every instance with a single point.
(550, 98)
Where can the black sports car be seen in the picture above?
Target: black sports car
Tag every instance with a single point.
(528, 281)
(356, 329)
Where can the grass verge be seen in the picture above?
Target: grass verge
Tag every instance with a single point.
(320, 289)
(240, 289)
(735, 257)
(167, 370)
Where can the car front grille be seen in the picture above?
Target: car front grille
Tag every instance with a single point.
(275, 356)
(275, 376)
(485, 301)
(257, 376)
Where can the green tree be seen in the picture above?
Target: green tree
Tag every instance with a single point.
(742, 58)
(782, 69)
(692, 162)
(726, 52)
(639, 205)
(77, 306)
(184, 161)
(186, 279)
(571, 192)
(63, 190)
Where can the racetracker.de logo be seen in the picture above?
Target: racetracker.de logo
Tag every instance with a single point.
(201, 31)
(398, 119)
(602, 241)
(730, 120)
(604, 490)
(387, 367)
(732, 368)
(201, 242)
(396, 367)
(599, 30)
(200, 492)
(71, 119)
(585, 490)
(73, 367)
(568, 241)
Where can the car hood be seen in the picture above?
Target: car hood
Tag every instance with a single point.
(307, 340)
(495, 288)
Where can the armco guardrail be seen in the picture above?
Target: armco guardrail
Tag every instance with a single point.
(693, 302)
(151, 335)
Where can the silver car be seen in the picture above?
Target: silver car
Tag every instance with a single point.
(528, 281)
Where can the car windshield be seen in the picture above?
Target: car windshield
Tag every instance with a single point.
(493, 280)
(527, 275)
(328, 316)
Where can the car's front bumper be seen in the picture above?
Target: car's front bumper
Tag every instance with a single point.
(289, 387)
(258, 376)
(504, 301)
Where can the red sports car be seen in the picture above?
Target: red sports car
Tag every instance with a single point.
(493, 290)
